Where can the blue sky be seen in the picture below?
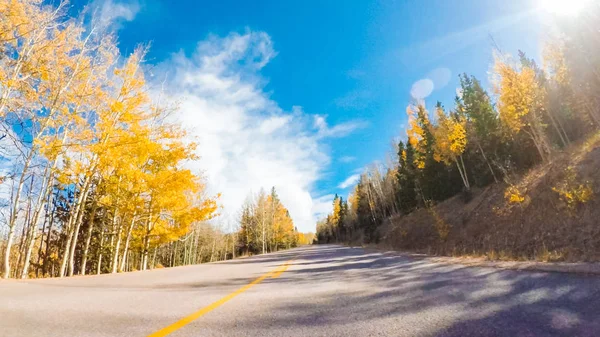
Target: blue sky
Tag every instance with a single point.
(326, 83)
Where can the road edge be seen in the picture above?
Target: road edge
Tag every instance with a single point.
(585, 268)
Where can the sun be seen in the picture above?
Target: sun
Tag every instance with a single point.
(563, 7)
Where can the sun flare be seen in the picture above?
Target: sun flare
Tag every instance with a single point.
(563, 7)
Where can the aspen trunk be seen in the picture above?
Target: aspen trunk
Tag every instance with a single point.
(46, 216)
(48, 237)
(99, 266)
(463, 173)
(233, 247)
(153, 258)
(185, 252)
(77, 226)
(559, 130)
(115, 255)
(146, 240)
(144, 259)
(200, 255)
(487, 162)
(126, 248)
(194, 252)
(13, 216)
(263, 234)
(36, 214)
(111, 248)
(24, 237)
(39, 259)
(88, 237)
(70, 234)
(212, 253)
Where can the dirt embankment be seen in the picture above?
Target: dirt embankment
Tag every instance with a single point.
(550, 214)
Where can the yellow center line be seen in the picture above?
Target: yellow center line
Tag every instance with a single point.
(189, 319)
(283, 268)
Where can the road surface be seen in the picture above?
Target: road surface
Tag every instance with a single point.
(309, 291)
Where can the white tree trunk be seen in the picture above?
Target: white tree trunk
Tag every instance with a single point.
(13, 215)
(115, 254)
(126, 248)
(45, 190)
(99, 266)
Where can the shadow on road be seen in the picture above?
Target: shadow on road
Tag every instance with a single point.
(455, 299)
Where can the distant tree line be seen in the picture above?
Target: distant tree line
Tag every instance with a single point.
(266, 226)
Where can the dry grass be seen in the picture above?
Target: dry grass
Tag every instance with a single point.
(544, 225)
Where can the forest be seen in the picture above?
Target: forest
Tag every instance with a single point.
(536, 117)
(93, 175)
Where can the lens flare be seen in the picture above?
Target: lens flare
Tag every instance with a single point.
(563, 7)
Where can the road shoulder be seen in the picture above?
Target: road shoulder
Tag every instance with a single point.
(554, 267)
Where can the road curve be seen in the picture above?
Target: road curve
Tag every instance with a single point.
(310, 291)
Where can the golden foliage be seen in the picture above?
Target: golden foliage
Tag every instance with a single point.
(450, 136)
(418, 119)
(305, 238)
(94, 129)
(266, 225)
(517, 92)
(572, 191)
(513, 195)
(555, 62)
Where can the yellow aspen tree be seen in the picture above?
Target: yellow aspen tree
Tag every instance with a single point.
(70, 85)
(420, 134)
(415, 134)
(519, 104)
(93, 131)
(171, 193)
(451, 142)
(124, 105)
(561, 92)
(286, 225)
(48, 65)
(22, 34)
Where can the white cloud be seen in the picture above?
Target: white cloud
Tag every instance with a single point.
(354, 100)
(111, 12)
(322, 206)
(339, 130)
(246, 141)
(351, 180)
(274, 123)
(347, 159)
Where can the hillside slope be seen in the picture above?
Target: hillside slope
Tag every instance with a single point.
(550, 214)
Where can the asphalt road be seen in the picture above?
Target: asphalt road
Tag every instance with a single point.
(309, 291)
